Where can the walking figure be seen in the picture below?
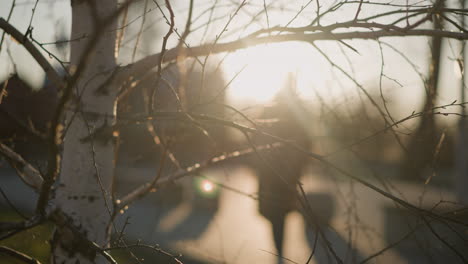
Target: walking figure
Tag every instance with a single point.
(279, 169)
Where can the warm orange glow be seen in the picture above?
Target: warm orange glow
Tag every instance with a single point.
(264, 70)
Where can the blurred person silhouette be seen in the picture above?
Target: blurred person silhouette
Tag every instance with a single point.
(279, 169)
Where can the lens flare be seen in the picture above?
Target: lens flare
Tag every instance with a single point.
(207, 186)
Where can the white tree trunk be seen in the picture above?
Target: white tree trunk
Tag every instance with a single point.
(87, 168)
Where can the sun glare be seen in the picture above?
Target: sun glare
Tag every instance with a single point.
(263, 70)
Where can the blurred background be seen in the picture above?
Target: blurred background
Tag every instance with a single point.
(358, 107)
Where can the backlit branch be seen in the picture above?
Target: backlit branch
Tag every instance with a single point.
(140, 67)
(422, 212)
(28, 173)
(143, 189)
(18, 255)
(29, 46)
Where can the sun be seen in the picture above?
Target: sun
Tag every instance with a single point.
(260, 72)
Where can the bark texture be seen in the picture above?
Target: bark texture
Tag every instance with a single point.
(83, 192)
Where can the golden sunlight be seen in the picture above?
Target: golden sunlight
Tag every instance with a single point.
(261, 71)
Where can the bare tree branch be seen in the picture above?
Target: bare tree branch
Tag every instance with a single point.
(28, 173)
(141, 190)
(140, 67)
(18, 255)
(37, 55)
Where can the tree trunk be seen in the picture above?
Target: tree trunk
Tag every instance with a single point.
(424, 140)
(83, 192)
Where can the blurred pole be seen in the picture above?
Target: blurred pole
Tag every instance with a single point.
(461, 154)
